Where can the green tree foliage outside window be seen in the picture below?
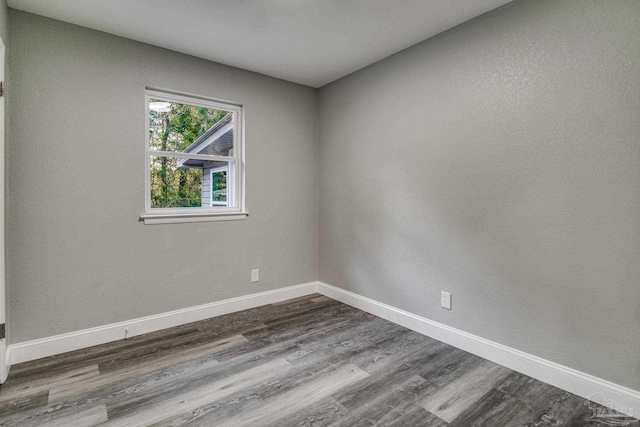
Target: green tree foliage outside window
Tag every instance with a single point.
(219, 186)
(174, 129)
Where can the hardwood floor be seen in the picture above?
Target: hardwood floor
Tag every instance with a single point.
(308, 361)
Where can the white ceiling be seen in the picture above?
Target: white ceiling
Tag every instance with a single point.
(312, 42)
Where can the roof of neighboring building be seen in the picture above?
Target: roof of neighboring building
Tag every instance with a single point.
(217, 141)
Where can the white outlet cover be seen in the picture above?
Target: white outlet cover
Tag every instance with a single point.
(255, 275)
(445, 300)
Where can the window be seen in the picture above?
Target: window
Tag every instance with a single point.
(194, 161)
(219, 186)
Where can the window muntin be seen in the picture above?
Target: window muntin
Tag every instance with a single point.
(188, 138)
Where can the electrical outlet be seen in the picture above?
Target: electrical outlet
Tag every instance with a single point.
(445, 300)
(255, 275)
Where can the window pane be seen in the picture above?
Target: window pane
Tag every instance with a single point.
(173, 185)
(190, 129)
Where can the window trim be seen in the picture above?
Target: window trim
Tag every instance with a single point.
(207, 213)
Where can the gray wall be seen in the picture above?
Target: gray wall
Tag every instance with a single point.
(78, 255)
(3, 21)
(499, 161)
(3, 34)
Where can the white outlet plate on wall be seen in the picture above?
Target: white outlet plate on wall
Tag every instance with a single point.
(445, 300)
(255, 275)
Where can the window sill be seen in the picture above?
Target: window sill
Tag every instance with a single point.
(192, 217)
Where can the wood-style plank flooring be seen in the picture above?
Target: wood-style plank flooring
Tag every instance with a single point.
(307, 361)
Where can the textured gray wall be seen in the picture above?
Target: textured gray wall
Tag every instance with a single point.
(500, 161)
(3, 33)
(78, 255)
(4, 11)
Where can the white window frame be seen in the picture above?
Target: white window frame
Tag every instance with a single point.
(229, 200)
(235, 200)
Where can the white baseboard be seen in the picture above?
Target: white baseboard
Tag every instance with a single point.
(568, 379)
(50, 346)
